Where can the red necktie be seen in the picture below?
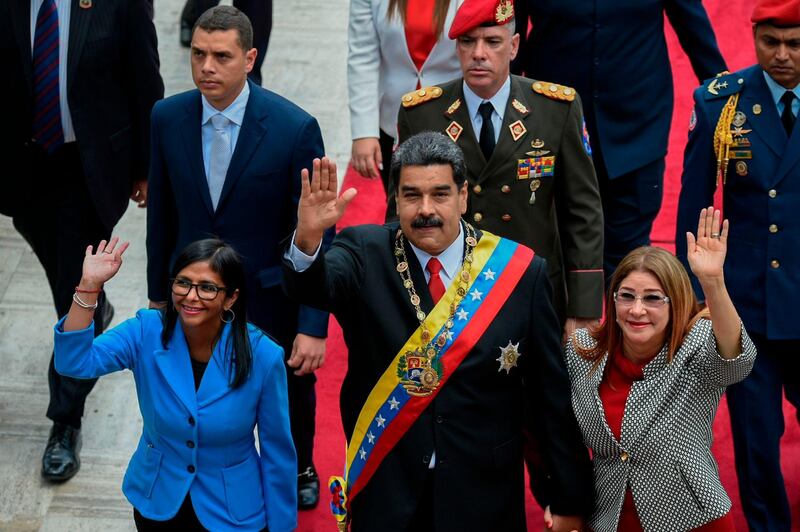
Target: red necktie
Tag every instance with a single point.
(435, 284)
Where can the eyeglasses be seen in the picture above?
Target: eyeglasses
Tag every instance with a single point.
(205, 291)
(627, 299)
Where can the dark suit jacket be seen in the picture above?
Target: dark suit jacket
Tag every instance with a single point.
(615, 54)
(761, 199)
(257, 208)
(475, 422)
(113, 82)
(565, 224)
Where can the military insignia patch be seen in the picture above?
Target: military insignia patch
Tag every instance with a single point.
(453, 107)
(537, 143)
(693, 120)
(724, 84)
(517, 130)
(741, 168)
(739, 119)
(509, 356)
(536, 167)
(586, 145)
(454, 130)
(519, 106)
(504, 11)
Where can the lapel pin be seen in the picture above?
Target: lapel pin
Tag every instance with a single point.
(757, 109)
(517, 130)
(85, 4)
(454, 130)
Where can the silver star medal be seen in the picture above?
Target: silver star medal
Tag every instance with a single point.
(509, 355)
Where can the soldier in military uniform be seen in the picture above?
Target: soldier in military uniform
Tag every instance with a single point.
(529, 167)
(743, 136)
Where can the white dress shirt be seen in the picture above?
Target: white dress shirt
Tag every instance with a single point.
(498, 101)
(63, 7)
(235, 115)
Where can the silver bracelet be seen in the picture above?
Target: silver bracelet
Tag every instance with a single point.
(81, 303)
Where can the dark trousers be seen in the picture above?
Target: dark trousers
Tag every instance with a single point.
(630, 205)
(58, 222)
(757, 424)
(302, 413)
(258, 11)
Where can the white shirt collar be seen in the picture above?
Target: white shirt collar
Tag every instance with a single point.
(234, 112)
(451, 258)
(498, 101)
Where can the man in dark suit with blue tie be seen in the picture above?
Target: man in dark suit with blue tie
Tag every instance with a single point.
(226, 161)
(80, 78)
(744, 136)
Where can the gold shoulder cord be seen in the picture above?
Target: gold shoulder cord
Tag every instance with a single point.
(723, 138)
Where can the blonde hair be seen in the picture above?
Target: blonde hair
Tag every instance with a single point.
(684, 309)
(399, 7)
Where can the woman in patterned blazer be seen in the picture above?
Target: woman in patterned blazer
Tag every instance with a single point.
(646, 386)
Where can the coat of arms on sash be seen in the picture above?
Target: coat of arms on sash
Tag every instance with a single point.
(419, 373)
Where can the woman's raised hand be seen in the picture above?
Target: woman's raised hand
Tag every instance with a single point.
(102, 265)
(706, 252)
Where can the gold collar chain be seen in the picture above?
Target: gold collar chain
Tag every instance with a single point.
(463, 278)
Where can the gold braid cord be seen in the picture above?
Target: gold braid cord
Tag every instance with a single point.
(723, 138)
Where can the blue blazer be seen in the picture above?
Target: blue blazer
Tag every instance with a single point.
(614, 53)
(257, 207)
(198, 442)
(761, 200)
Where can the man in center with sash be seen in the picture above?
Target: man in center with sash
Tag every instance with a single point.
(443, 325)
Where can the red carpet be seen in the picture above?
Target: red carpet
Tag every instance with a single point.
(730, 19)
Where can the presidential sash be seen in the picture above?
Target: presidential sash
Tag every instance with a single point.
(394, 403)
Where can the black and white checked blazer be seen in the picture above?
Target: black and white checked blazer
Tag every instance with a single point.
(664, 453)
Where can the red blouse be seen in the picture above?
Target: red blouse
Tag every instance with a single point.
(420, 31)
(619, 376)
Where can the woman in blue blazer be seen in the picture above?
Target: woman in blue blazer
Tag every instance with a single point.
(205, 379)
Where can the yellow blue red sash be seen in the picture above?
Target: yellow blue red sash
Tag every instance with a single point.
(498, 265)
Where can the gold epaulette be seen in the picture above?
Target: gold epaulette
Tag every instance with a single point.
(421, 96)
(554, 91)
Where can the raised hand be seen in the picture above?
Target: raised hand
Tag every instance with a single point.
(102, 265)
(706, 252)
(320, 205)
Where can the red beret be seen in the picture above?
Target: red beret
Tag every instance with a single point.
(474, 13)
(777, 12)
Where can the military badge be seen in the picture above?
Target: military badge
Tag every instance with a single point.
(454, 130)
(504, 11)
(586, 145)
(536, 167)
(453, 107)
(757, 109)
(85, 4)
(537, 144)
(519, 106)
(741, 168)
(418, 373)
(739, 132)
(517, 130)
(740, 154)
(741, 142)
(509, 356)
(535, 184)
(739, 119)
(693, 120)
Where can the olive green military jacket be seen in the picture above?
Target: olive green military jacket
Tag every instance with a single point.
(542, 145)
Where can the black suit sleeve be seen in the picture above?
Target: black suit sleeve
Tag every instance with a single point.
(307, 147)
(691, 24)
(162, 221)
(333, 279)
(569, 485)
(146, 86)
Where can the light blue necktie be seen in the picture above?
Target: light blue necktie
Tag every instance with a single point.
(219, 158)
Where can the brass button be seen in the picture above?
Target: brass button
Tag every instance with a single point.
(506, 217)
(477, 189)
(624, 456)
(772, 193)
(505, 189)
(477, 217)
(775, 264)
(773, 228)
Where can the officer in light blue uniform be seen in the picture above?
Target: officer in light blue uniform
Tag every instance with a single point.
(744, 136)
